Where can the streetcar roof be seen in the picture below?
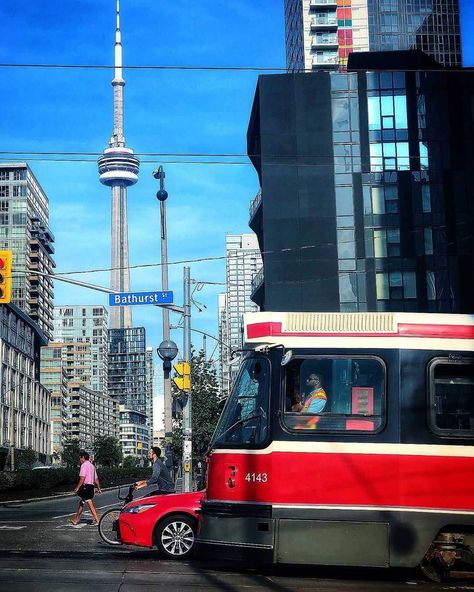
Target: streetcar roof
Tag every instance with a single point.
(365, 330)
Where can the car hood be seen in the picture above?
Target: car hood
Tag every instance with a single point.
(191, 499)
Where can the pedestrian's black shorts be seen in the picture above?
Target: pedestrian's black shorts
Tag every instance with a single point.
(86, 492)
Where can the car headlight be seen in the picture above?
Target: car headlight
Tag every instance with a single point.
(138, 509)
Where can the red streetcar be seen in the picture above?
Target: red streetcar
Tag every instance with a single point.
(348, 439)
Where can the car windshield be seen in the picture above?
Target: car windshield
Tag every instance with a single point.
(245, 417)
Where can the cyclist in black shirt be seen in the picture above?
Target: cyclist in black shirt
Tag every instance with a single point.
(160, 474)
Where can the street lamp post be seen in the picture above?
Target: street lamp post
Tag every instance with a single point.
(162, 196)
(168, 350)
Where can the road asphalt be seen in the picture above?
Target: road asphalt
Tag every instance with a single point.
(40, 551)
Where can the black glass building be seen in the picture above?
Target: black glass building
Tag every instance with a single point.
(127, 369)
(432, 26)
(367, 177)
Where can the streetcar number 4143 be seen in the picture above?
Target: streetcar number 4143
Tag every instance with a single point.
(256, 477)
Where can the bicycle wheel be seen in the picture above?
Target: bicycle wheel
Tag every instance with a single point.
(108, 526)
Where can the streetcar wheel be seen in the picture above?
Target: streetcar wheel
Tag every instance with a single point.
(174, 536)
(434, 571)
(108, 527)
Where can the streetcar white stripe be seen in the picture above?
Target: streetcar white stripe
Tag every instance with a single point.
(370, 509)
(305, 447)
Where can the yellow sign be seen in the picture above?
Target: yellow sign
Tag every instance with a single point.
(183, 376)
(139, 445)
(187, 467)
(6, 260)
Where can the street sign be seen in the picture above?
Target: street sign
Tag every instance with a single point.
(135, 298)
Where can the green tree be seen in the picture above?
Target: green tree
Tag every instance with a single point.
(107, 451)
(70, 456)
(26, 458)
(205, 408)
(130, 462)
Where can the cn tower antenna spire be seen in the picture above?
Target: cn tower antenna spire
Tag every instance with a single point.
(118, 169)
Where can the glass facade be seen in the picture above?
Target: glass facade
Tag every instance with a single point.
(385, 224)
(430, 25)
(129, 370)
(322, 33)
(24, 219)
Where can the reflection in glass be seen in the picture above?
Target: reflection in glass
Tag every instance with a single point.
(345, 244)
(409, 284)
(344, 202)
(425, 198)
(381, 286)
(428, 238)
(423, 155)
(340, 114)
(245, 416)
(380, 243)
(378, 201)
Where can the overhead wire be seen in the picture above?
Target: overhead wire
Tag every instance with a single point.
(236, 255)
(206, 68)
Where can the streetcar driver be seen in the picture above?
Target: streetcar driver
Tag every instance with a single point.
(316, 400)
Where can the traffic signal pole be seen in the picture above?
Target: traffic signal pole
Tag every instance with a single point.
(187, 411)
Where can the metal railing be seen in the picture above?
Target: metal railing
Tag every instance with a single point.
(257, 280)
(255, 203)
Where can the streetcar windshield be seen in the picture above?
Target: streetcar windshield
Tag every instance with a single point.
(245, 417)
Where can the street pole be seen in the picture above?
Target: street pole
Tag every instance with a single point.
(187, 411)
(162, 196)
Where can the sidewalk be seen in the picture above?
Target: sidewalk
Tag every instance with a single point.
(52, 495)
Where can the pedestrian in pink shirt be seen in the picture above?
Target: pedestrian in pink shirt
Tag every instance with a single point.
(85, 488)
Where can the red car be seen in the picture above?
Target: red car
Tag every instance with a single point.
(169, 522)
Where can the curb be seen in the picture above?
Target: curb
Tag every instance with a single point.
(55, 496)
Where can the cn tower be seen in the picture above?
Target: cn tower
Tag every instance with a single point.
(118, 168)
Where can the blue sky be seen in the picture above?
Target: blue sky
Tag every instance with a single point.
(165, 111)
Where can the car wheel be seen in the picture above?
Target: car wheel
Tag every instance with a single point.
(174, 536)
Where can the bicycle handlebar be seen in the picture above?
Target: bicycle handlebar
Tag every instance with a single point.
(131, 489)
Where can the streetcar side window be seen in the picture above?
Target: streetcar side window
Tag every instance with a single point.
(451, 388)
(335, 394)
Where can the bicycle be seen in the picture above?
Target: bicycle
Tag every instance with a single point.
(108, 523)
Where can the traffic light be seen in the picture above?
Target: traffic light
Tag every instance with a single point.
(183, 376)
(6, 258)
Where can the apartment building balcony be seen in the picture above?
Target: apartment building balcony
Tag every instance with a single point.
(328, 21)
(255, 212)
(258, 286)
(322, 60)
(324, 42)
(323, 4)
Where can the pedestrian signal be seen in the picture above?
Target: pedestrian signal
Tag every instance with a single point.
(183, 376)
(6, 258)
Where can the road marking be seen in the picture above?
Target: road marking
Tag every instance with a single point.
(85, 510)
(75, 526)
(3, 527)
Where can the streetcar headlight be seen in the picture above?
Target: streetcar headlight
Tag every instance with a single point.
(138, 509)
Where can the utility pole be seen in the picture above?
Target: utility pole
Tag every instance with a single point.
(187, 411)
